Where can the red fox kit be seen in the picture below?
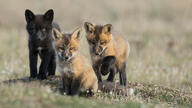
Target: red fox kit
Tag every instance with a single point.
(108, 51)
(77, 73)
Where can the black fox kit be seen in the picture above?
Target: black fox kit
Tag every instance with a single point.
(108, 51)
(39, 28)
(77, 73)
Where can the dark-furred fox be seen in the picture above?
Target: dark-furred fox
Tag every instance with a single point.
(39, 28)
(77, 73)
(108, 51)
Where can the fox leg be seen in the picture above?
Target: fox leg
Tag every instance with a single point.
(66, 85)
(75, 87)
(109, 65)
(33, 64)
(52, 66)
(94, 87)
(45, 56)
(97, 72)
(112, 74)
(123, 75)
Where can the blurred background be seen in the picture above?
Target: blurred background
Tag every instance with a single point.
(159, 32)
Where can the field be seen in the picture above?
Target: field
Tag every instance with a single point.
(159, 67)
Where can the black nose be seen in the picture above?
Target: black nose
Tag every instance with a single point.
(66, 58)
(96, 53)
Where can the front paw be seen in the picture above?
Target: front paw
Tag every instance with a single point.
(105, 69)
(42, 76)
(33, 76)
(65, 92)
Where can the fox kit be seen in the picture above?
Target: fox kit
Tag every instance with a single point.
(77, 73)
(39, 28)
(108, 51)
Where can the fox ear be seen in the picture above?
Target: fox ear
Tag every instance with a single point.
(76, 35)
(56, 34)
(107, 29)
(29, 16)
(89, 28)
(48, 16)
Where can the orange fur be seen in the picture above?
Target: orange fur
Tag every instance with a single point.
(103, 43)
(78, 68)
(116, 45)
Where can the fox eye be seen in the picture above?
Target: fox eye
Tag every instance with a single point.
(60, 48)
(72, 48)
(102, 42)
(91, 31)
(92, 42)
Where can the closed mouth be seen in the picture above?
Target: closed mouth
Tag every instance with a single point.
(100, 53)
(42, 37)
(63, 59)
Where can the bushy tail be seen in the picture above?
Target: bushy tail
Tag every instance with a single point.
(112, 87)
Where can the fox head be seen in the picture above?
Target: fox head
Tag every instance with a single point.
(39, 27)
(98, 37)
(66, 45)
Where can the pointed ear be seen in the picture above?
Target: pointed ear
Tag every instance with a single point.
(89, 28)
(56, 34)
(48, 16)
(76, 35)
(29, 16)
(107, 29)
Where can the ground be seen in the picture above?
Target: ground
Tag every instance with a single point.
(159, 66)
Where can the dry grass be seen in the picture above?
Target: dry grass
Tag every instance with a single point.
(159, 33)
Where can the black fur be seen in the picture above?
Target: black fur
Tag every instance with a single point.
(71, 86)
(109, 65)
(67, 85)
(75, 87)
(39, 28)
(98, 73)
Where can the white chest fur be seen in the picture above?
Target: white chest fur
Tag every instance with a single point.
(66, 70)
(39, 49)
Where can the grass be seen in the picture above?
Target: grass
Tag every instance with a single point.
(25, 92)
(33, 93)
(158, 68)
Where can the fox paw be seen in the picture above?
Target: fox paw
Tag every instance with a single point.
(42, 77)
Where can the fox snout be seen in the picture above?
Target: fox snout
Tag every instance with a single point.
(98, 50)
(64, 56)
(42, 34)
